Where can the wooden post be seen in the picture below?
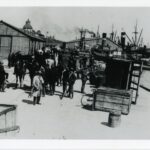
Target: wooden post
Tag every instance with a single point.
(129, 77)
(11, 44)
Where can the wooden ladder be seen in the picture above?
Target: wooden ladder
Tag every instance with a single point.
(135, 75)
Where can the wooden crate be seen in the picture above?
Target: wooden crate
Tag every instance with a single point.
(109, 99)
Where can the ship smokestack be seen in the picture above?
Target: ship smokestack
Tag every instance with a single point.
(104, 35)
(123, 39)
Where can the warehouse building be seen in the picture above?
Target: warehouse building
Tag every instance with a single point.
(13, 39)
(51, 41)
(90, 42)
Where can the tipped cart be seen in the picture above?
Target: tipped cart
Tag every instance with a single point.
(115, 95)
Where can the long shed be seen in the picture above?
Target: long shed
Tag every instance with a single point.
(93, 41)
(13, 39)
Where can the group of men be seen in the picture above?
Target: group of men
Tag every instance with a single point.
(67, 80)
(47, 74)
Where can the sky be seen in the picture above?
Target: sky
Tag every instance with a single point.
(64, 22)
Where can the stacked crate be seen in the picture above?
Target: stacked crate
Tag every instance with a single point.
(109, 100)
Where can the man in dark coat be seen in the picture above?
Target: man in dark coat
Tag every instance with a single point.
(65, 78)
(83, 79)
(47, 70)
(59, 74)
(3, 77)
(72, 79)
(52, 79)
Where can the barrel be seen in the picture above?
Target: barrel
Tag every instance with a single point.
(114, 119)
(8, 118)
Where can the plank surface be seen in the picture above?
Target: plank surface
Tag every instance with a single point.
(108, 99)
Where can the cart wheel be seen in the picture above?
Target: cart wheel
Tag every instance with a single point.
(86, 101)
(82, 99)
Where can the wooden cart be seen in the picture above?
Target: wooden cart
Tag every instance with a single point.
(116, 94)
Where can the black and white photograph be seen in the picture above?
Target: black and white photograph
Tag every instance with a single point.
(75, 73)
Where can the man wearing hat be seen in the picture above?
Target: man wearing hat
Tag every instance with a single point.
(37, 87)
(72, 79)
(83, 79)
(65, 78)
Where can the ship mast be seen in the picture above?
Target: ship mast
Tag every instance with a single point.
(139, 37)
(82, 40)
(128, 38)
(135, 34)
(98, 35)
(112, 33)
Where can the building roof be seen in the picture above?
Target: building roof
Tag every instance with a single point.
(53, 41)
(23, 32)
(28, 25)
(90, 39)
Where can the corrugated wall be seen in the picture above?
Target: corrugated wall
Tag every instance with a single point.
(20, 44)
(19, 41)
(5, 46)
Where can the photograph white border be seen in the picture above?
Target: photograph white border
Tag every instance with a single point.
(74, 144)
(75, 3)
